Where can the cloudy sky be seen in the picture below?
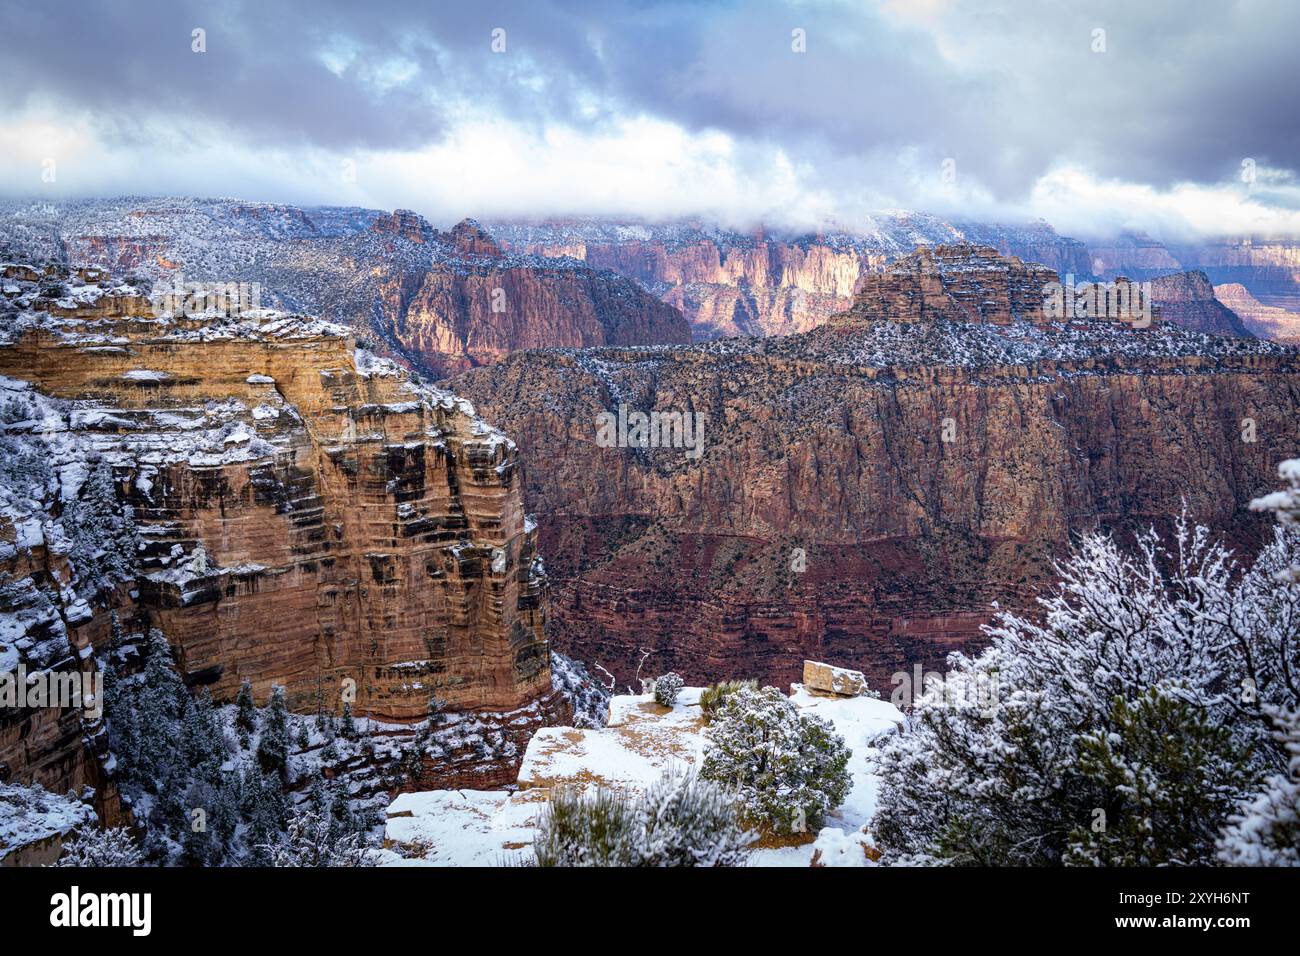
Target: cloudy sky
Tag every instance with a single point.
(1175, 117)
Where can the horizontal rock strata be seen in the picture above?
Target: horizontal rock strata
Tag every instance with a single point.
(868, 489)
(310, 516)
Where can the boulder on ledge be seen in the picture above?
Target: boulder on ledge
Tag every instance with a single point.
(828, 679)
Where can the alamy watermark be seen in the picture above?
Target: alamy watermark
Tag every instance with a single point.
(61, 689)
(981, 692)
(205, 299)
(1121, 300)
(637, 429)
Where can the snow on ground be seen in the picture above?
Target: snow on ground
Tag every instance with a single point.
(462, 827)
(32, 814)
(642, 740)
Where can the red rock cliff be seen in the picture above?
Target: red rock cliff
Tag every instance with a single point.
(439, 300)
(310, 515)
(866, 490)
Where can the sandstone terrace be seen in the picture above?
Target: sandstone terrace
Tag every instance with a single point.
(1090, 345)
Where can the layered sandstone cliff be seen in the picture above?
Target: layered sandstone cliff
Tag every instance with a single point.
(770, 283)
(868, 489)
(1265, 321)
(308, 516)
(1188, 299)
(1268, 266)
(441, 301)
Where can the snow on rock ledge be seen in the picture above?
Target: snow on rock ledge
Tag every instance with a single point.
(641, 741)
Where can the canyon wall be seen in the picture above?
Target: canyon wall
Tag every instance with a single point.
(1188, 299)
(438, 300)
(309, 515)
(867, 490)
(1265, 321)
(741, 286)
(1268, 266)
(768, 283)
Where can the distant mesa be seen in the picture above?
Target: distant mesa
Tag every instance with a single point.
(1265, 321)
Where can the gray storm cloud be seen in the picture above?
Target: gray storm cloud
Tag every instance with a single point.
(1182, 92)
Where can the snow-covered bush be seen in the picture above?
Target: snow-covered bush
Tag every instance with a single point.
(1166, 773)
(667, 687)
(715, 695)
(1285, 505)
(585, 829)
(687, 821)
(91, 846)
(1265, 830)
(788, 769)
(313, 839)
(680, 820)
(1069, 765)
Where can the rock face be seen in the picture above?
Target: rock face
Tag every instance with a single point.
(309, 515)
(1188, 299)
(1265, 321)
(769, 283)
(442, 301)
(762, 283)
(34, 823)
(867, 489)
(954, 283)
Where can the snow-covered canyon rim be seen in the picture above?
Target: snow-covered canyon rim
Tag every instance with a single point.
(641, 742)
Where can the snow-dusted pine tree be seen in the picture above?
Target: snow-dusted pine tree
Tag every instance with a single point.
(91, 846)
(788, 769)
(246, 713)
(313, 840)
(102, 533)
(201, 738)
(1169, 774)
(273, 745)
(1067, 765)
(157, 702)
